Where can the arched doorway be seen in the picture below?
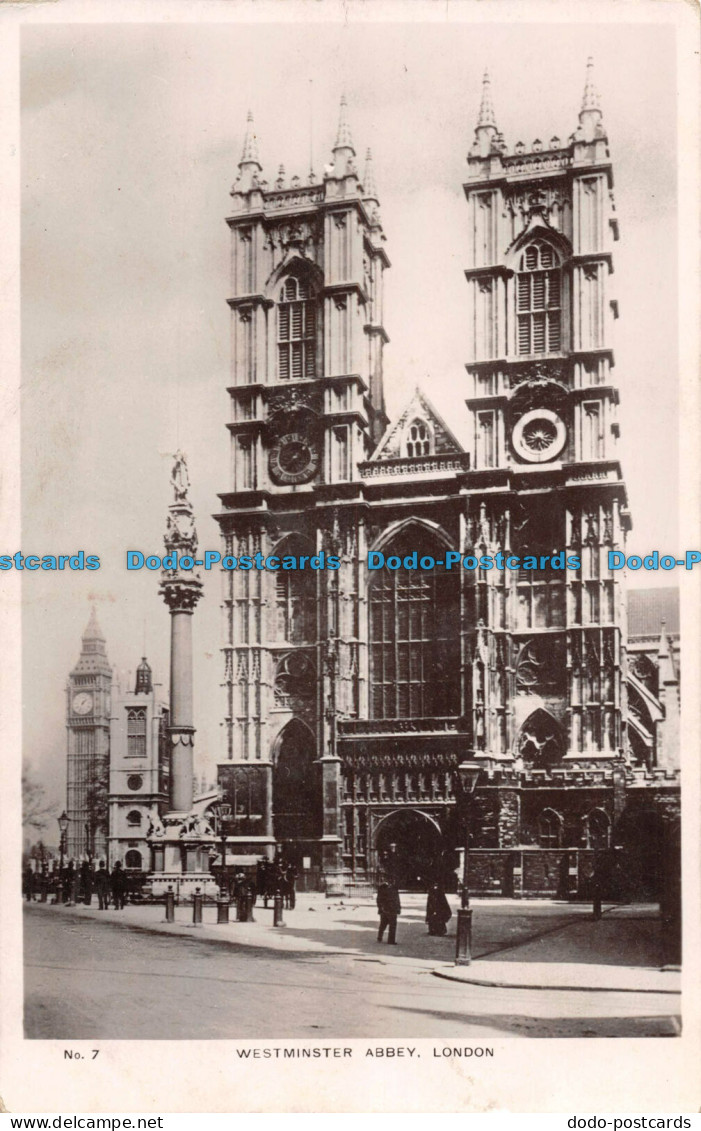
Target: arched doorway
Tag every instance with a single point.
(409, 847)
(639, 832)
(296, 799)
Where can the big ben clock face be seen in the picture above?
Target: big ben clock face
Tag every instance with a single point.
(294, 459)
(82, 703)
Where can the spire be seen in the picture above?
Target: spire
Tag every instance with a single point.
(590, 114)
(93, 630)
(343, 137)
(369, 186)
(590, 100)
(486, 117)
(487, 136)
(250, 145)
(249, 165)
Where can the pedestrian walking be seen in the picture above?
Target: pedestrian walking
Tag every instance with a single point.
(288, 887)
(102, 886)
(438, 913)
(118, 884)
(389, 907)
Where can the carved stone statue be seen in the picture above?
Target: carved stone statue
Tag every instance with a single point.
(180, 478)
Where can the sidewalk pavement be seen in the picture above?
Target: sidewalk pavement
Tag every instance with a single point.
(538, 944)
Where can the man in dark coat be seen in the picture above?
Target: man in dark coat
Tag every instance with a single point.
(389, 908)
(438, 911)
(288, 888)
(102, 884)
(118, 885)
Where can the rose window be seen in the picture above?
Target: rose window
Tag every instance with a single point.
(540, 435)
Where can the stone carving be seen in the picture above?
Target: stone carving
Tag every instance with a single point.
(156, 827)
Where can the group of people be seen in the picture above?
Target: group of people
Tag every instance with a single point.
(438, 913)
(276, 876)
(77, 883)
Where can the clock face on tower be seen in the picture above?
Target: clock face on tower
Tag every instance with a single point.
(82, 703)
(293, 459)
(539, 436)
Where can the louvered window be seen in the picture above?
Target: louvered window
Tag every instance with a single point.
(296, 331)
(538, 301)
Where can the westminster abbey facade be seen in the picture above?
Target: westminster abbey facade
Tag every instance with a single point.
(354, 695)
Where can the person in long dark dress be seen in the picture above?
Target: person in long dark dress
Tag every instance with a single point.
(438, 913)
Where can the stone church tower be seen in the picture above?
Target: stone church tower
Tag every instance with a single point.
(307, 407)
(354, 694)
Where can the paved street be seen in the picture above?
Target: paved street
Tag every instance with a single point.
(90, 978)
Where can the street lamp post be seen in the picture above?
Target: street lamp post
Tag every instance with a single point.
(63, 828)
(223, 815)
(468, 773)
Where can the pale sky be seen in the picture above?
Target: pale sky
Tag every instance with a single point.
(130, 140)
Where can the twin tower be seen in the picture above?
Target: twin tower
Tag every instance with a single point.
(352, 696)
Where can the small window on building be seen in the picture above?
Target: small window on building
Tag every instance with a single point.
(597, 829)
(132, 859)
(549, 829)
(136, 732)
(418, 439)
(134, 818)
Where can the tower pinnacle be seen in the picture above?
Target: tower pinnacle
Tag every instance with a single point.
(344, 140)
(93, 630)
(369, 186)
(590, 114)
(486, 133)
(249, 156)
(486, 117)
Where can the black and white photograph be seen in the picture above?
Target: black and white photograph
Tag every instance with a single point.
(358, 603)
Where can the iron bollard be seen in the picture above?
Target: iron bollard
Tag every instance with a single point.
(197, 908)
(222, 909)
(277, 910)
(170, 906)
(463, 939)
(596, 906)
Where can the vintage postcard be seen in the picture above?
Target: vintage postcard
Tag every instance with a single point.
(351, 555)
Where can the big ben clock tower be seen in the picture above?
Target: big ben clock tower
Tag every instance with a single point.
(88, 695)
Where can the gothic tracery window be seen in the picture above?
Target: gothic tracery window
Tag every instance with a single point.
(414, 636)
(538, 300)
(418, 439)
(136, 732)
(296, 330)
(295, 595)
(549, 829)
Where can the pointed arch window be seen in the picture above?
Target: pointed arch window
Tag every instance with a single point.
(550, 829)
(414, 659)
(539, 300)
(418, 439)
(136, 732)
(296, 330)
(295, 595)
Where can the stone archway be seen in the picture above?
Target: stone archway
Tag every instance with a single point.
(296, 798)
(409, 846)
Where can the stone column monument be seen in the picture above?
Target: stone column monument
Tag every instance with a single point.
(181, 843)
